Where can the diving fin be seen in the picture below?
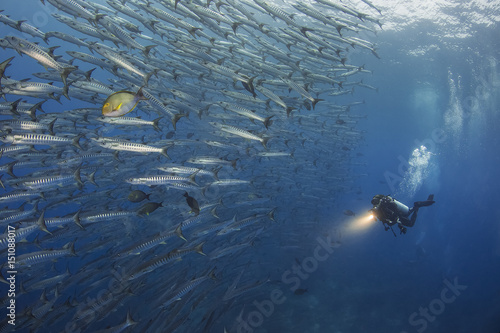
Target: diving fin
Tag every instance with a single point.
(428, 202)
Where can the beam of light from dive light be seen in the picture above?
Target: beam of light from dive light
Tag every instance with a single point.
(363, 222)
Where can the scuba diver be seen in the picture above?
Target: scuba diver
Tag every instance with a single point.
(391, 212)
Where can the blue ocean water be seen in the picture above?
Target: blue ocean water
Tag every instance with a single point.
(430, 127)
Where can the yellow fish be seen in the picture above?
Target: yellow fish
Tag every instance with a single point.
(121, 102)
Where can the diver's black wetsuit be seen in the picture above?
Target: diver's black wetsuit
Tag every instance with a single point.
(391, 212)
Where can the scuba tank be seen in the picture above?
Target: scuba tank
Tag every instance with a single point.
(403, 210)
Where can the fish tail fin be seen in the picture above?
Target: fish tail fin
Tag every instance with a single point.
(92, 178)
(315, 101)
(140, 93)
(176, 118)
(97, 17)
(76, 219)
(65, 92)
(192, 179)
(304, 30)
(155, 124)
(264, 141)
(213, 211)
(41, 223)
(193, 30)
(78, 177)
(64, 74)
(164, 151)
(178, 232)
(199, 249)
(19, 23)
(51, 126)
(56, 98)
(38, 106)
(14, 105)
(147, 49)
(235, 25)
(211, 274)
(233, 163)
(267, 122)
(216, 172)
(76, 142)
(116, 157)
(71, 247)
(89, 73)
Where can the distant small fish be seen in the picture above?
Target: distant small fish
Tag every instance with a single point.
(193, 204)
(121, 102)
(148, 208)
(137, 196)
(300, 291)
(349, 212)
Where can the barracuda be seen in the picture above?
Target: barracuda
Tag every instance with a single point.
(245, 112)
(41, 88)
(277, 12)
(209, 160)
(66, 37)
(229, 182)
(292, 84)
(140, 247)
(242, 97)
(123, 35)
(125, 9)
(245, 222)
(61, 221)
(20, 196)
(241, 132)
(104, 217)
(129, 121)
(272, 96)
(122, 62)
(163, 15)
(40, 139)
(20, 216)
(206, 12)
(88, 157)
(151, 265)
(73, 8)
(28, 125)
(342, 8)
(189, 171)
(35, 52)
(157, 104)
(93, 86)
(130, 146)
(103, 63)
(184, 289)
(225, 71)
(47, 183)
(162, 180)
(44, 256)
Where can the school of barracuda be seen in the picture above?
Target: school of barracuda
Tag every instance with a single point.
(170, 209)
